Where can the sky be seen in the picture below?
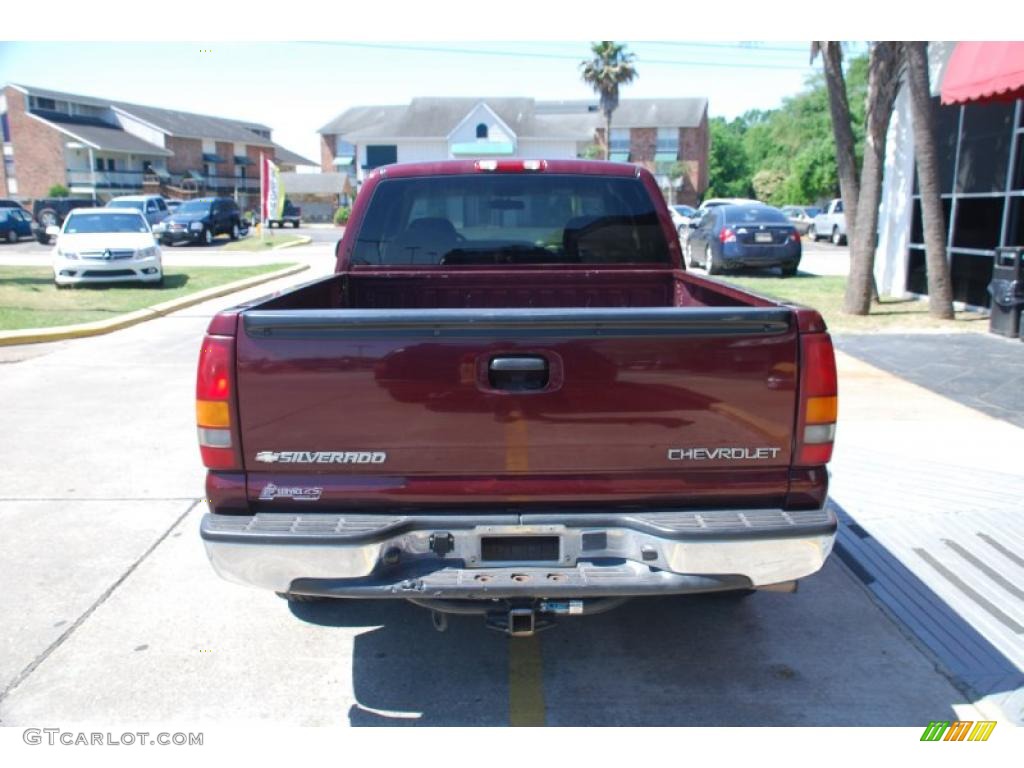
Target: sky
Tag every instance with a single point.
(297, 87)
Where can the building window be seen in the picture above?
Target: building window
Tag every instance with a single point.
(6, 127)
(668, 140)
(620, 140)
(380, 154)
(980, 168)
(110, 163)
(39, 103)
(99, 163)
(481, 131)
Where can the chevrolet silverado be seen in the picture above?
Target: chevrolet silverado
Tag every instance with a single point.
(511, 399)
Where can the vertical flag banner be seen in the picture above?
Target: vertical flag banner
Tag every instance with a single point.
(271, 191)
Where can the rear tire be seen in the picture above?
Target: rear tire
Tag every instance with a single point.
(207, 236)
(48, 218)
(812, 233)
(12, 236)
(234, 232)
(713, 266)
(789, 270)
(837, 239)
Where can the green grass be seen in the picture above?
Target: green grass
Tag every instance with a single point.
(29, 299)
(825, 294)
(255, 243)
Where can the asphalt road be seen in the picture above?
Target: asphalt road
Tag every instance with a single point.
(110, 612)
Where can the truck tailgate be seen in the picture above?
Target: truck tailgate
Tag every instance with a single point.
(676, 405)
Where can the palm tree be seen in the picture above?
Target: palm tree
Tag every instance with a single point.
(862, 196)
(839, 107)
(885, 72)
(940, 290)
(611, 67)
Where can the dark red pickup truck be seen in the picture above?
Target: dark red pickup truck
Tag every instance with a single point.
(511, 399)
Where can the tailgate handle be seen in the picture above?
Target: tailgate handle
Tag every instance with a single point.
(519, 373)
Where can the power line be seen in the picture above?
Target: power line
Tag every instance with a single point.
(537, 55)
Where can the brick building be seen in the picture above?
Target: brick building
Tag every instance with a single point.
(667, 136)
(102, 148)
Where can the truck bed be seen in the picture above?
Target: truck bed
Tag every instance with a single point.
(524, 289)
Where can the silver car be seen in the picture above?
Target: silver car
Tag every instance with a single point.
(801, 216)
(152, 207)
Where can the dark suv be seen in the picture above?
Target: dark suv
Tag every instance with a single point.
(201, 220)
(51, 212)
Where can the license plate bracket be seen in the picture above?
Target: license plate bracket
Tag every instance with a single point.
(520, 549)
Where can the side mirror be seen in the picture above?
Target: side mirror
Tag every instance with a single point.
(53, 230)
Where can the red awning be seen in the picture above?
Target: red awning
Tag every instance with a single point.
(984, 72)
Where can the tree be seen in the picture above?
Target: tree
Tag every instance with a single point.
(728, 168)
(861, 196)
(58, 190)
(611, 67)
(842, 127)
(885, 66)
(940, 289)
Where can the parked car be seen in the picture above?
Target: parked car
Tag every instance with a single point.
(733, 236)
(153, 207)
(15, 223)
(291, 214)
(104, 245)
(830, 223)
(573, 399)
(800, 216)
(7, 203)
(201, 220)
(716, 201)
(682, 215)
(51, 212)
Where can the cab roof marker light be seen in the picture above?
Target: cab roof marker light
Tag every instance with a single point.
(486, 165)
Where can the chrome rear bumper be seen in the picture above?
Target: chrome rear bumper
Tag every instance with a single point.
(598, 554)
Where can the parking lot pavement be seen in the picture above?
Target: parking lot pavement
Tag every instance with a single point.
(116, 616)
(824, 258)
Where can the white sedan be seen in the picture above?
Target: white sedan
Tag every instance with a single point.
(105, 245)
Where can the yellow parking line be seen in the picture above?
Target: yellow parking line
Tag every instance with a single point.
(525, 682)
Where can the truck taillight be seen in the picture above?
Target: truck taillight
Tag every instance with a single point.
(214, 397)
(727, 236)
(818, 403)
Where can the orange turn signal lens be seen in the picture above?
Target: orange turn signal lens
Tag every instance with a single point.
(212, 413)
(822, 410)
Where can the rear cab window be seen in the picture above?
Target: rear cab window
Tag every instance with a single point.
(510, 219)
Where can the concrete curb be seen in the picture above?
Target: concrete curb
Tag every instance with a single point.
(305, 240)
(81, 330)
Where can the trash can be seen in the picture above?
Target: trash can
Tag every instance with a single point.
(1007, 292)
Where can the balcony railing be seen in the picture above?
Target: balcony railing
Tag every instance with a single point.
(133, 180)
(214, 183)
(105, 179)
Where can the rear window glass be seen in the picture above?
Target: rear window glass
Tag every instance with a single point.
(510, 219)
(754, 214)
